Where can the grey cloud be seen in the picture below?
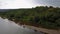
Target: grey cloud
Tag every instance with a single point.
(48, 2)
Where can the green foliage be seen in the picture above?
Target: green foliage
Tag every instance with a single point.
(47, 17)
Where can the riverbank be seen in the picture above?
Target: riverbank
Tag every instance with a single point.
(41, 29)
(49, 31)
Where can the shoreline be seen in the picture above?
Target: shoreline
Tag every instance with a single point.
(44, 30)
(48, 31)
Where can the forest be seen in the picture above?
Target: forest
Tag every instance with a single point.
(40, 16)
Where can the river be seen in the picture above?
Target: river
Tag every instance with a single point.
(9, 27)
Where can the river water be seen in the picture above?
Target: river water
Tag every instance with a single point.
(9, 27)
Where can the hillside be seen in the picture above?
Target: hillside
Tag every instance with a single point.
(40, 16)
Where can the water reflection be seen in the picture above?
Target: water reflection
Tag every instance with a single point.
(9, 27)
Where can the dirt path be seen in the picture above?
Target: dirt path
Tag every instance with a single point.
(44, 30)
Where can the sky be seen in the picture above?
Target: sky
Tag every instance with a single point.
(14, 4)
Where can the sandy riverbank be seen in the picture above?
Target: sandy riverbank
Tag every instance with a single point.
(49, 31)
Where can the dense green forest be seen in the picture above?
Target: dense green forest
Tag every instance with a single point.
(40, 16)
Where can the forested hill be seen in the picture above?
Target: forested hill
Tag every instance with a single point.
(3, 10)
(41, 16)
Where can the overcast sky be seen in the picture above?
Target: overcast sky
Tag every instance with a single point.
(13, 4)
